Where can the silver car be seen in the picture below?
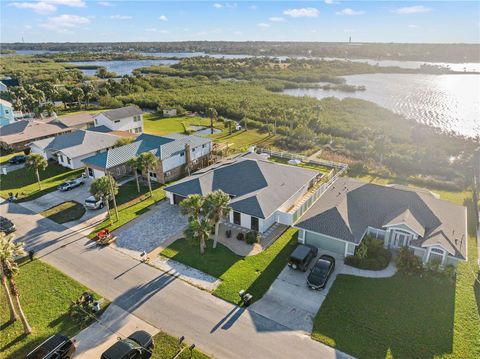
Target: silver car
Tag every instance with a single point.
(93, 203)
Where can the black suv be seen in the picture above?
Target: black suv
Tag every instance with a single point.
(58, 346)
(302, 256)
(6, 225)
(15, 160)
(139, 345)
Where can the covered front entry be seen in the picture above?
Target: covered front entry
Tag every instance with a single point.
(177, 198)
(399, 238)
(324, 242)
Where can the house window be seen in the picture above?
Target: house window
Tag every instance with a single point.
(60, 158)
(193, 149)
(137, 130)
(96, 122)
(254, 223)
(69, 161)
(152, 174)
(437, 250)
(203, 146)
(168, 173)
(182, 154)
(236, 218)
(90, 172)
(116, 121)
(137, 118)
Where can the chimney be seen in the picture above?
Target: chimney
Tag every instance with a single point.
(188, 158)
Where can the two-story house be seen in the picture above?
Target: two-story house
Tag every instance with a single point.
(128, 119)
(6, 113)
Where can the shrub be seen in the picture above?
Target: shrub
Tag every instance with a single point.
(252, 237)
(357, 169)
(370, 255)
(408, 262)
(240, 236)
(228, 233)
(449, 271)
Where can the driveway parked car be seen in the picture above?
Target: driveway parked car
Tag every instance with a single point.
(57, 346)
(320, 272)
(302, 256)
(6, 225)
(68, 185)
(139, 345)
(15, 160)
(93, 203)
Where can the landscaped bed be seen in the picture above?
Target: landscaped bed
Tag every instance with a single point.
(65, 212)
(45, 294)
(167, 346)
(254, 274)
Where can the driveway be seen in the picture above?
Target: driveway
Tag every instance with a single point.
(150, 230)
(9, 167)
(290, 302)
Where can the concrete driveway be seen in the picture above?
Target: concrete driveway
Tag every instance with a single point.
(9, 167)
(290, 302)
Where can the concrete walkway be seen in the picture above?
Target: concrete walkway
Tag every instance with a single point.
(384, 273)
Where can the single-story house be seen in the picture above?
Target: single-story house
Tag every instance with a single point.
(262, 192)
(128, 119)
(178, 155)
(71, 148)
(350, 210)
(18, 135)
(79, 121)
(169, 112)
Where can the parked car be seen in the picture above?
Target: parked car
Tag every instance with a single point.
(57, 346)
(68, 185)
(139, 345)
(93, 203)
(15, 160)
(320, 272)
(6, 225)
(302, 256)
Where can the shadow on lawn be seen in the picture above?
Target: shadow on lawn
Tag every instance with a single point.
(476, 288)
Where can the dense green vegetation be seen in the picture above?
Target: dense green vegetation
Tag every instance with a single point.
(254, 273)
(65, 212)
(46, 295)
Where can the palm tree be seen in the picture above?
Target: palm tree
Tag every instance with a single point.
(78, 95)
(5, 244)
(147, 162)
(37, 162)
(216, 208)
(133, 162)
(213, 115)
(198, 230)
(192, 206)
(9, 268)
(105, 188)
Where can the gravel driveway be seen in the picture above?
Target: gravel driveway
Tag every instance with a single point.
(149, 231)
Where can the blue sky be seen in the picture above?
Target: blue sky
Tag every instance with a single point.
(330, 20)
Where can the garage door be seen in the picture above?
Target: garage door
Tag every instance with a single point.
(177, 198)
(326, 243)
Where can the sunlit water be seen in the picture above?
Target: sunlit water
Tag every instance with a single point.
(122, 67)
(449, 102)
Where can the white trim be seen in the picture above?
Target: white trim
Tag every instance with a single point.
(427, 246)
(412, 231)
(444, 255)
(329, 237)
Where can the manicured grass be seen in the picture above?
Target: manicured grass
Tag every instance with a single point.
(45, 294)
(167, 346)
(322, 169)
(241, 140)
(24, 181)
(65, 212)
(157, 125)
(4, 157)
(252, 273)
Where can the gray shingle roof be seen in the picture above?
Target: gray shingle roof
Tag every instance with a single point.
(349, 207)
(76, 119)
(123, 112)
(258, 187)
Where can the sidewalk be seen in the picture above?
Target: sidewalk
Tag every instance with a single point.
(384, 273)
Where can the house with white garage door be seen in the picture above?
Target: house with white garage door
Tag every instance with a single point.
(262, 192)
(349, 210)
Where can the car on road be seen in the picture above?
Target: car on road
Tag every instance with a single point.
(7, 226)
(68, 185)
(302, 256)
(139, 345)
(320, 272)
(58, 346)
(93, 203)
(17, 159)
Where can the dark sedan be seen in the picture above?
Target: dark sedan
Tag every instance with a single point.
(7, 226)
(15, 160)
(321, 271)
(139, 345)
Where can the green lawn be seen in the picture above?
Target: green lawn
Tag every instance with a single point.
(24, 181)
(65, 212)
(241, 140)
(253, 273)
(157, 125)
(45, 294)
(167, 346)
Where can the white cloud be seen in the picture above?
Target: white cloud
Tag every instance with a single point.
(263, 25)
(105, 3)
(162, 18)
(217, 5)
(64, 23)
(276, 19)
(330, 2)
(71, 3)
(120, 17)
(413, 26)
(302, 12)
(350, 12)
(38, 7)
(417, 9)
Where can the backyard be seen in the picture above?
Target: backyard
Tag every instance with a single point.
(252, 273)
(45, 306)
(157, 125)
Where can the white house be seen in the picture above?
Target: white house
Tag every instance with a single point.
(169, 112)
(6, 113)
(71, 148)
(128, 119)
(262, 192)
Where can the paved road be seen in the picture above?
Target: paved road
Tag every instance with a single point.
(169, 304)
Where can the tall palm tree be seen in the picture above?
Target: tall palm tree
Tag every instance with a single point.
(192, 206)
(5, 249)
(37, 162)
(216, 209)
(244, 108)
(198, 230)
(8, 252)
(105, 188)
(147, 162)
(133, 162)
(213, 115)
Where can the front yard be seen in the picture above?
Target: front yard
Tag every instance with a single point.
(65, 212)
(252, 273)
(24, 181)
(45, 294)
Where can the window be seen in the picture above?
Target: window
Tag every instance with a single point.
(193, 149)
(137, 130)
(436, 250)
(168, 173)
(60, 158)
(236, 218)
(182, 153)
(203, 146)
(137, 118)
(68, 160)
(6, 111)
(116, 121)
(96, 122)
(254, 223)
(152, 174)
(90, 172)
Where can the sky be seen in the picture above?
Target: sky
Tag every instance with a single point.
(326, 20)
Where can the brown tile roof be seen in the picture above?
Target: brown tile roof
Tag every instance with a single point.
(21, 131)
